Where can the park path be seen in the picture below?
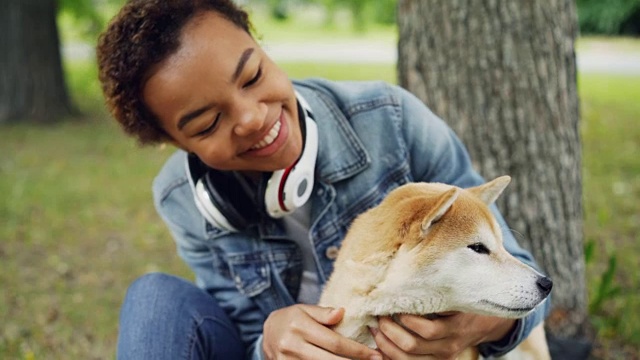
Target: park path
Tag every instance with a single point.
(596, 57)
(599, 57)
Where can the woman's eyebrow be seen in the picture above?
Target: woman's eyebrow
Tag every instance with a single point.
(185, 119)
(241, 63)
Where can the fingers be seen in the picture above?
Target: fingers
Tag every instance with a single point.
(323, 315)
(328, 339)
(390, 350)
(417, 337)
(399, 337)
(427, 329)
(311, 352)
(443, 336)
(301, 331)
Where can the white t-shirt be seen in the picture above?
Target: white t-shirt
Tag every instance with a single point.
(297, 225)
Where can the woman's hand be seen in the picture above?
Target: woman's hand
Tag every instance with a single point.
(444, 337)
(302, 332)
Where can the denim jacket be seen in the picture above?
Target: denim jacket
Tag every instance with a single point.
(373, 137)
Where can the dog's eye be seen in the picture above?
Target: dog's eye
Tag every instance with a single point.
(479, 248)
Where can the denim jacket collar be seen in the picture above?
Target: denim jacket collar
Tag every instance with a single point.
(341, 154)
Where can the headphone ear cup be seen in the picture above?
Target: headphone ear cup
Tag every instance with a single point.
(209, 210)
(230, 206)
(299, 184)
(290, 188)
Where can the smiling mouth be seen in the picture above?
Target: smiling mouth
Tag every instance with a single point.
(270, 137)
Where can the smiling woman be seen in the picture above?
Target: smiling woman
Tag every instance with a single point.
(235, 105)
(140, 36)
(189, 73)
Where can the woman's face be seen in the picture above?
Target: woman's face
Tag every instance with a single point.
(220, 97)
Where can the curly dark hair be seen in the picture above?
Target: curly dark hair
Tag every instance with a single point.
(141, 35)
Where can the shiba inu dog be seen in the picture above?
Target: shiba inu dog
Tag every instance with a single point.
(410, 255)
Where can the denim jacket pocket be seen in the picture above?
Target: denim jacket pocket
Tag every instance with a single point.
(250, 272)
(254, 272)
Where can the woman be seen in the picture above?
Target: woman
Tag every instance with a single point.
(189, 73)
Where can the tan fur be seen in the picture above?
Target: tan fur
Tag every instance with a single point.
(404, 255)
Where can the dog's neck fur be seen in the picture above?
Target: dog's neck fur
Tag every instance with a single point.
(378, 297)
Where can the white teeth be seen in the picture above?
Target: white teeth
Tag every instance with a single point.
(271, 136)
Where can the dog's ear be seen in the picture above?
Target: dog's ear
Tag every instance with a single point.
(443, 204)
(490, 191)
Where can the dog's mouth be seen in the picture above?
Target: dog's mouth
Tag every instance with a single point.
(514, 310)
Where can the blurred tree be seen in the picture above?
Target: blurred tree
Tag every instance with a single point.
(385, 11)
(362, 11)
(32, 83)
(611, 17)
(89, 15)
(32, 86)
(631, 25)
(358, 10)
(279, 9)
(503, 74)
(330, 7)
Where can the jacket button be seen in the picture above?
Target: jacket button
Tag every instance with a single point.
(332, 252)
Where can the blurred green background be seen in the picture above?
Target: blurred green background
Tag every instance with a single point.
(77, 223)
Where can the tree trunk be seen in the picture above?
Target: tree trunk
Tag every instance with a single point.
(32, 86)
(503, 75)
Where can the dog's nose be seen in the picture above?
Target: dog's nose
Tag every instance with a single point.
(544, 284)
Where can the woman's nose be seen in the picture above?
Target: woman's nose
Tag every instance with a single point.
(251, 118)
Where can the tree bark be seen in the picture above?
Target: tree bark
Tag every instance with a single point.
(32, 86)
(503, 75)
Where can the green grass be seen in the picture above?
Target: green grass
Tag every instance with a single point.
(78, 226)
(611, 142)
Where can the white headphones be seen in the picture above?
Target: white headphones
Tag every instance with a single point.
(227, 201)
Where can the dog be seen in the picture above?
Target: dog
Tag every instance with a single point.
(410, 255)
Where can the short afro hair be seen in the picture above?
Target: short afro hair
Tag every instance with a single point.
(141, 35)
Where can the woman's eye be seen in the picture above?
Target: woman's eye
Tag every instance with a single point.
(211, 126)
(254, 79)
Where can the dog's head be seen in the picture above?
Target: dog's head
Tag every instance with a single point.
(444, 249)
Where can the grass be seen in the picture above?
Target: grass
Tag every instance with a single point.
(79, 226)
(611, 141)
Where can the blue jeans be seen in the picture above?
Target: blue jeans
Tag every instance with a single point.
(165, 317)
